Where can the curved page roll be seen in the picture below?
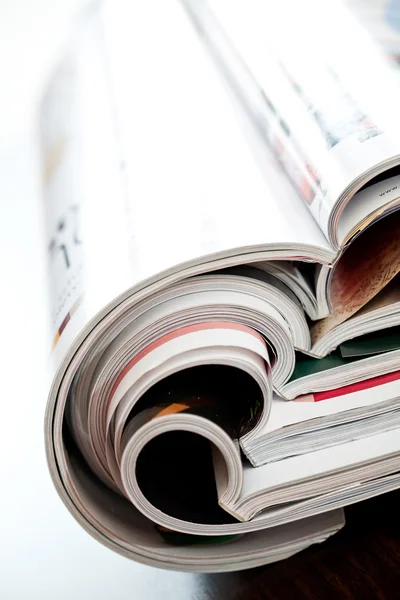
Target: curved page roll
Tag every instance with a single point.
(144, 251)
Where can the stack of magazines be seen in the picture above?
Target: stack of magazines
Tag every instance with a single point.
(222, 223)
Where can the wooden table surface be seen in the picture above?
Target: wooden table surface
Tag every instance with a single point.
(360, 562)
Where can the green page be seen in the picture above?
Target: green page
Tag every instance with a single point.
(353, 350)
(307, 365)
(372, 343)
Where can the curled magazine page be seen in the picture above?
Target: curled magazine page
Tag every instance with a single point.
(185, 282)
(229, 204)
(202, 223)
(368, 205)
(366, 266)
(85, 213)
(324, 118)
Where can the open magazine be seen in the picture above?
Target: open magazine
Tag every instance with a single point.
(214, 377)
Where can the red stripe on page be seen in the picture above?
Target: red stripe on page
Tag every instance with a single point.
(173, 335)
(357, 387)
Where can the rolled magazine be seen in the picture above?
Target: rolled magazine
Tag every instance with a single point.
(183, 277)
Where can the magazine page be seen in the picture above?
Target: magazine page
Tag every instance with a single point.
(121, 206)
(322, 111)
(366, 266)
(87, 243)
(149, 182)
(214, 198)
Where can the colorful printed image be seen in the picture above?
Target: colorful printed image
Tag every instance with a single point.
(291, 156)
(336, 113)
